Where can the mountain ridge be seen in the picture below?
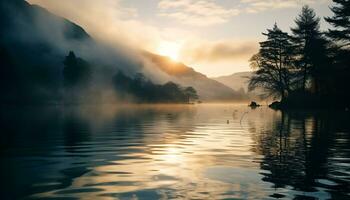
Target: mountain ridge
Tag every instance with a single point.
(199, 81)
(235, 81)
(37, 42)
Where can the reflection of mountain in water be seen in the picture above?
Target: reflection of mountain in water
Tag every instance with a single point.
(306, 151)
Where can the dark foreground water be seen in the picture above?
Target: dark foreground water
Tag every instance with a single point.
(173, 152)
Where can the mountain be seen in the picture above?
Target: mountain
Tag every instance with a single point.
(34, 43)
(239, 82)
(208, 89)
(236, 81)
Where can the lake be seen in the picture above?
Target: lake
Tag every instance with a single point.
(204, 151)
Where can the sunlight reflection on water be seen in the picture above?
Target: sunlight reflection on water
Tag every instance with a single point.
(174, 152)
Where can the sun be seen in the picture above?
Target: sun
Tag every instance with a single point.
(169, 49)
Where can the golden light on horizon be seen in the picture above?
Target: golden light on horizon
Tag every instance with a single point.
(169, 49)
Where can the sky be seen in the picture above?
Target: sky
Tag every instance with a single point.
(215, 37)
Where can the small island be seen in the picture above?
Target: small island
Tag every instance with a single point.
(253, 105)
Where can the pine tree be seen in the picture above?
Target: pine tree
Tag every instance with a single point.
(341, 22)
(310, 47)
(274, 64)
(77, 72)
(340, 34)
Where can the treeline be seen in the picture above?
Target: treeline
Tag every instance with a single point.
(79, 86)
(309, 67)
(146, 91)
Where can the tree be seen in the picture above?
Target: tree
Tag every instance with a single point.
(310, 46)
(340, 34)
(340, 22)
(171, 92)
(190, 93)
(273, 64)
(77, 72)
(144, 90)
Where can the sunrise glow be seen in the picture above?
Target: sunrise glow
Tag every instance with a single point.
(175, 99)
(169, 49)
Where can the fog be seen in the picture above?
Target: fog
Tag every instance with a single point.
(38, 40)
(100, 50)
(42, 38)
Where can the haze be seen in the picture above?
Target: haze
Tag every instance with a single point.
(214, 37)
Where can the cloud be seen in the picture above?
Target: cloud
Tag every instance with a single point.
(119, 33)
(106, 20)
(113, 22)
(209, 12)
(255, 6)
(197, 13)
(219, 51)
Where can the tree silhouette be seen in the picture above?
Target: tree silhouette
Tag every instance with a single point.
(77, 79)
(310, 47)
(172, 92)
(341, 22)
(144, 90)
(77, 72)
(190, 93)
(306, 69)
(340, 33)
(273, 64)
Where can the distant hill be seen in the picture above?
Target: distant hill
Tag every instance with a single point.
(235, 81)
(239, 81)
(208, 89)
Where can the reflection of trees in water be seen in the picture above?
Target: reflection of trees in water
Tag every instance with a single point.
(124, 123)
(149, 124)
(27, 134)
(29, 126)
(297, 148)
(76, 130)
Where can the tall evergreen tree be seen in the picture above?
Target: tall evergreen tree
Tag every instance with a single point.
(340, 33)
(310, 47)
(76, 71)
(274, 64)
(341, 22)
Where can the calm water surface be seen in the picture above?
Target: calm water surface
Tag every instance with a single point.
(173, 152)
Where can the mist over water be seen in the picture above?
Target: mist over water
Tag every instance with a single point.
(173, 152)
